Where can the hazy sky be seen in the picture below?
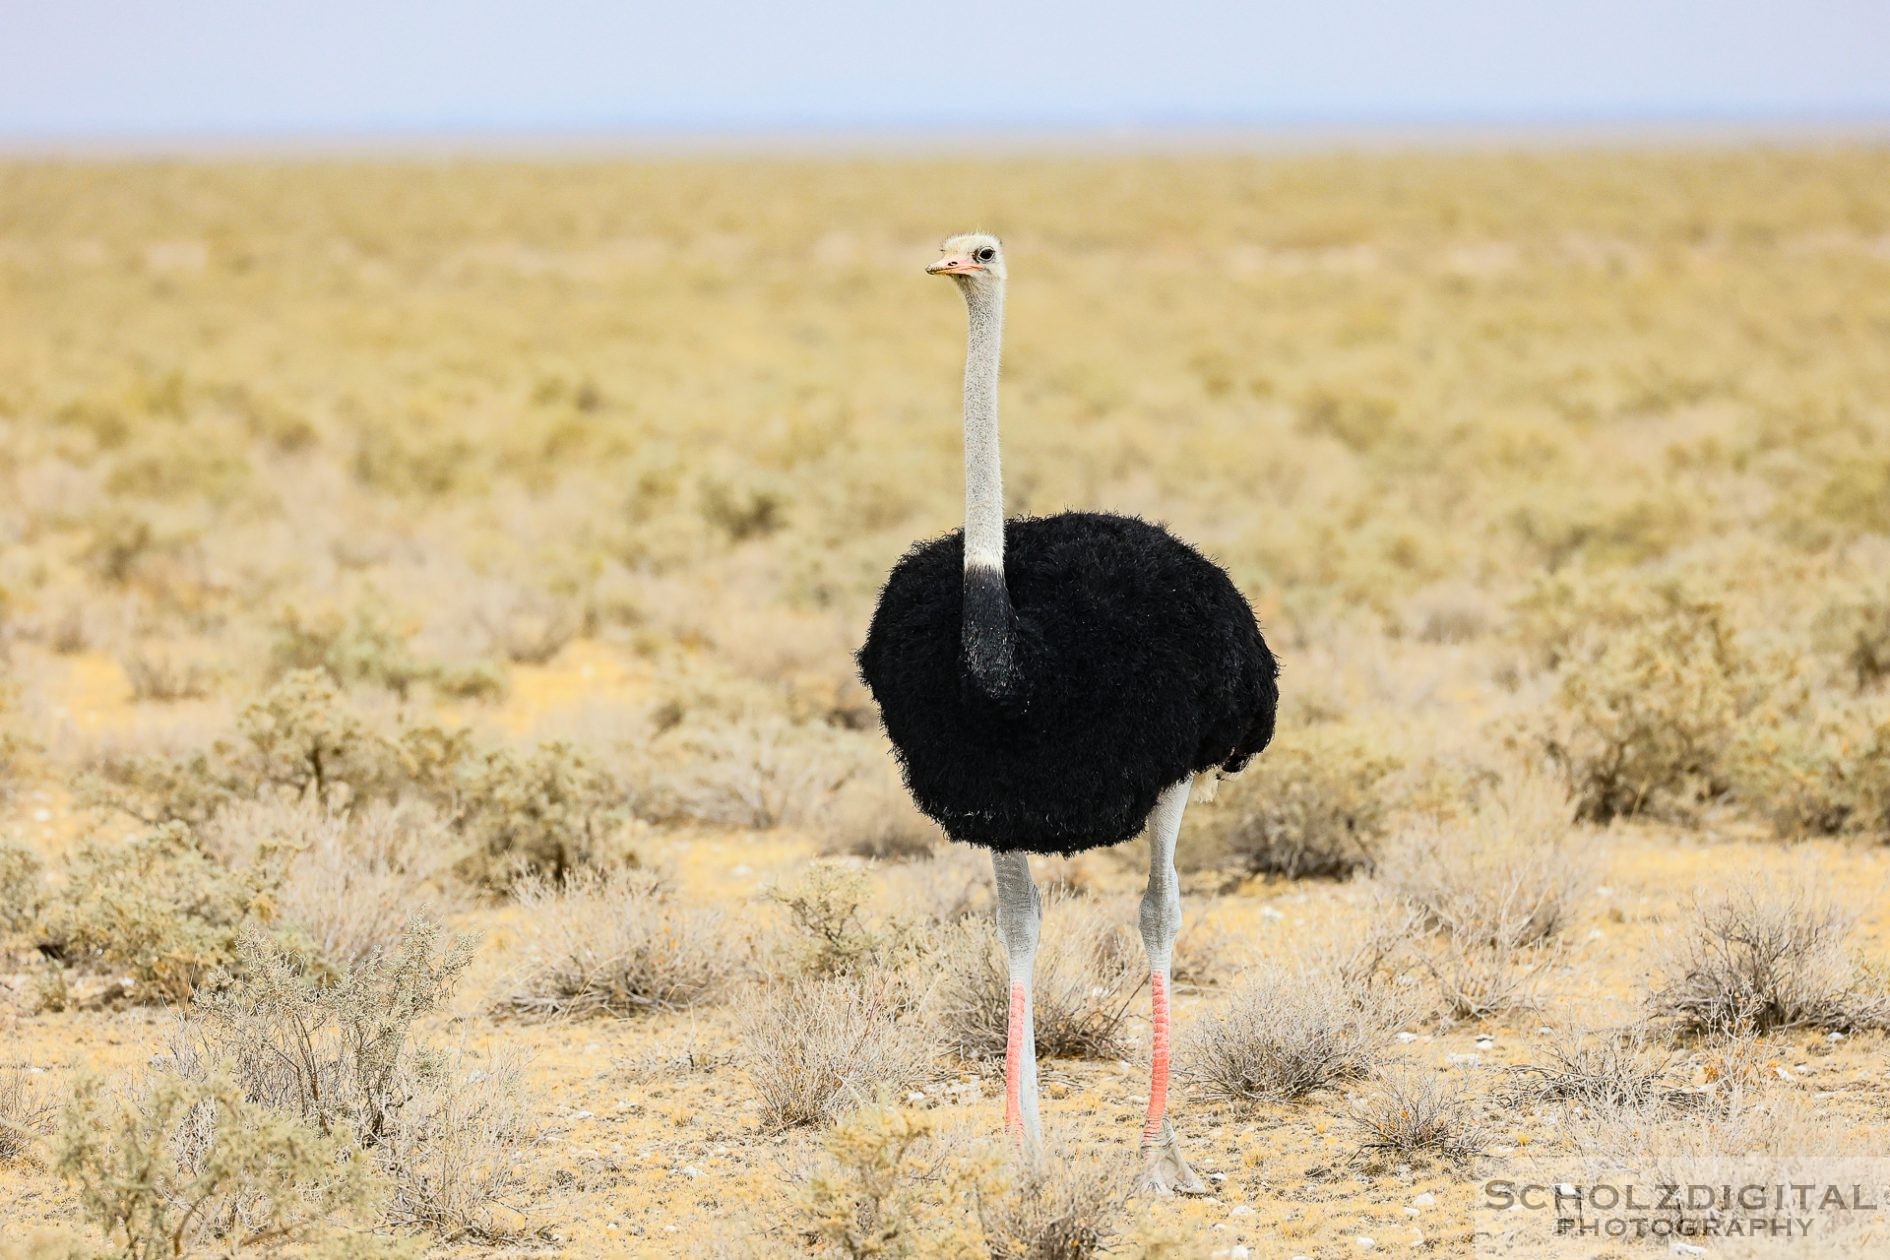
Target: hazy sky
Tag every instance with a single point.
(117, 68)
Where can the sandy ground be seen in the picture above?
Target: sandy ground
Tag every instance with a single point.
(639, 1156)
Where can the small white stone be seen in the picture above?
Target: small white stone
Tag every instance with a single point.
(691, 1171)
(1365, 1243)
(582, 1115)
(1410, 1211)
(1688, 1249)
(1406, 1038)
(1836, 1036)
(1217, 1176)
(1424, 1200)
(917, 1095)
(1268, 912)
(1241, 1209)
(1463, 1060)
(1239, 1253)
(1596, 934)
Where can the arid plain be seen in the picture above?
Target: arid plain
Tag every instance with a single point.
(438, 814)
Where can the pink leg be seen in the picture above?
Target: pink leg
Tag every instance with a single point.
(1158, 1076)
(1164, 1170)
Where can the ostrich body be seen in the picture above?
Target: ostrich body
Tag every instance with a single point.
(1053, 684)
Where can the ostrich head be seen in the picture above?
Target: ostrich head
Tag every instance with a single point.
(971, 259)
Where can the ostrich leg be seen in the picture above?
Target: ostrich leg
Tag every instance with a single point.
(1018, 915)
(1164, 1170)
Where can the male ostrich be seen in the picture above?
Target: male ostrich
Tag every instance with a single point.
(1052, 684)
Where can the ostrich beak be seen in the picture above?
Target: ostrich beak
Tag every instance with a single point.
(956, 265)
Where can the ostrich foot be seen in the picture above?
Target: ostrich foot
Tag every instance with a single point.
(1165, 1170)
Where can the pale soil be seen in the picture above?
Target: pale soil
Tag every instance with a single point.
(636, 1156)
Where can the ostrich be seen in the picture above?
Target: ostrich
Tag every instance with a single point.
(1053, 684)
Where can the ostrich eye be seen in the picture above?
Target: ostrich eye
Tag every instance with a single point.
(986, 254)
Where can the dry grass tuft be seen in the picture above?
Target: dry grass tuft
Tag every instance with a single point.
(814, 1049)
(1757, 962)
(1513, 870)
(1412, 1115)
(1620, 1069)
(1486, 896)
(1290, 1030)
(1061, 1205)
(617, 944)
(1769, 1138)
(1090, 963)
(343, 1058)
(25, 1114)
(1316, 805)
(163, 676)
(757, 773)
(873, 817)
(347, 882)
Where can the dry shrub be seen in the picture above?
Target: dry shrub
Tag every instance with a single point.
(1756, 962)
(1089, 965)
(159, 910)
(1618, 1069)
(1748, 1137)
(1856, 630)
(300, 737)
(524, 624)
(1290, 1030)
(1486, 972)
(1511, 871)
(1449, 612)
(832, 929)
(342, 1057)
(362, 646)
(814, 1049)
(25, 1114)
(1647, 717)
(950, 886)
(193, 1167)
(348, 882)
(757, 773)
(868, 1195)
(1315, 805)
(617, 944)
(1827, 773)
(1411, 1114)
(872, 817)
(1060, 1205)
(163, 676)
(21, 886)
(547, 812)
(889, 1185)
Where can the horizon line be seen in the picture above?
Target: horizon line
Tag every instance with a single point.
(1263, 134)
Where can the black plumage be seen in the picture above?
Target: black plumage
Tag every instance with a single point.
(1044, 708)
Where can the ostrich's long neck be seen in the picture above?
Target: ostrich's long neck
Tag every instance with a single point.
(989, 631)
